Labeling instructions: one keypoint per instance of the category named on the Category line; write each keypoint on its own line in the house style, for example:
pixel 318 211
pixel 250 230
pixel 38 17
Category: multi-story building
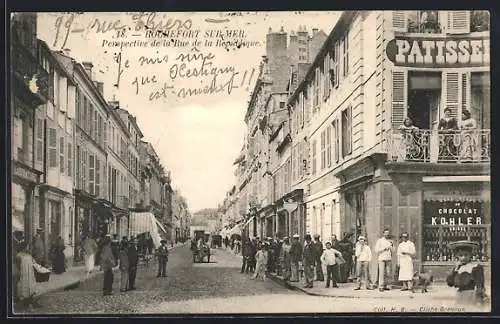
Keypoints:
pixel 429 180
pixel 55 152
pixel 94 213
pixel 181 217
pixel 31 88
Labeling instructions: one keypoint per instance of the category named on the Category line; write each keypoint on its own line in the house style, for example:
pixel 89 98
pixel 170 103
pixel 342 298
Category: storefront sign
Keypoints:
pixel 439 52
pixel 453 213
pixel 25 173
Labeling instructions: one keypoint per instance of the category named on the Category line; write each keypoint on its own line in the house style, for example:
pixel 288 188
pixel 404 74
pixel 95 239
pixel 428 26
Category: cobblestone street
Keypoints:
pixel 185 281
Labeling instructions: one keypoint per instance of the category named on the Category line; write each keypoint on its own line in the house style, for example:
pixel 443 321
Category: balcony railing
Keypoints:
pixel 26 68
pixel 432 146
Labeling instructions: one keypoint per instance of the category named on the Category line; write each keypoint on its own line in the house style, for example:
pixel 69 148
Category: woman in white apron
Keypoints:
pixel 405 252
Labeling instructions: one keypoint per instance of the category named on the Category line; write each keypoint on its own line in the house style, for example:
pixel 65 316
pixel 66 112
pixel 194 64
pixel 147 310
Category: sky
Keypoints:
pixel 197 137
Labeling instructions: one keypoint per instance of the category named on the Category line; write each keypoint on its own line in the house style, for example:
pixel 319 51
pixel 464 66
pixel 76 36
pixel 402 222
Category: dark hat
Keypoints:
pixel 163 241
pixel 464 245
pixel 307 237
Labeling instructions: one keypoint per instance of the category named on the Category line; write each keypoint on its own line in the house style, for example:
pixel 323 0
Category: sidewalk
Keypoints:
pixel 72 278
pixel 436 291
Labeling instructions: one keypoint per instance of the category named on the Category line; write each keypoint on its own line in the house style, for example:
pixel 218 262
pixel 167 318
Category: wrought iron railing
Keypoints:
pixel 451 146
pixel 26 67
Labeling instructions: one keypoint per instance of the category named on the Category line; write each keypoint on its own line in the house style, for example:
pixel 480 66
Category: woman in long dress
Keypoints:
pixel 58 257
pixel 405 252
pixel 468 149
pixel 285 256
pixel 26 286
pixel 467 275
pixel 260 268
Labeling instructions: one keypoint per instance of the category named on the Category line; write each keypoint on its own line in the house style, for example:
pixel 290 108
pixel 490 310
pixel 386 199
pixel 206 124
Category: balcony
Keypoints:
pixel 29 76
pixel 121 202
pixel 432 146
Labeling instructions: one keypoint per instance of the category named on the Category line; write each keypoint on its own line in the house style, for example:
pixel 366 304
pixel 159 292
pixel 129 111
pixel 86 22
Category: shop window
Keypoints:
pixel 479 21
pixel 449 221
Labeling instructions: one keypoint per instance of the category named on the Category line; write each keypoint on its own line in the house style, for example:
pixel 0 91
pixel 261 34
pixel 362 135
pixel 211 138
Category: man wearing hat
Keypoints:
pixel 318 252
pixel 295 257
pixel 162 253
pixel 38 251
pixel 405 253
pixel 285 259
pixel 308 260
pixel 133 260
pixel 467 275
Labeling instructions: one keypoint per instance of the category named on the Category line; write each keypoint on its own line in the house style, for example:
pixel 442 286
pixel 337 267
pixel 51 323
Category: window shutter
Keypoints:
pixel 458 22
pixel 52 148
pixel 307 106
pixel 91 174
pixel 39 139
pixel 452 92
pixel 97 177
pixel 62 149
pixel 399 21
pixel 70 157
pixel 466 91
pixel 63 94
pixel 71 101
pixel 329 145
pixel 399 96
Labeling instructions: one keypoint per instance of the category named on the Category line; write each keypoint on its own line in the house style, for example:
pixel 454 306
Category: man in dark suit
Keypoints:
pixel 133 259
pixel 162 253
pixel 308 260
pixel 318 251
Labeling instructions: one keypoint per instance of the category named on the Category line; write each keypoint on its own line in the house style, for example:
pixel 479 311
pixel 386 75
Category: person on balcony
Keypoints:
pixel 447 126
pixel 409 132
pixel 468 148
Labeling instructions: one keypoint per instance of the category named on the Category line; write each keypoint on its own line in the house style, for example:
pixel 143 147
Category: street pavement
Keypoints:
pixel 215 287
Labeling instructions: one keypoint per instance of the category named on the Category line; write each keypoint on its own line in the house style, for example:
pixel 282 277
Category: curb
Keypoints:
pixel 307 292
pixel 75 284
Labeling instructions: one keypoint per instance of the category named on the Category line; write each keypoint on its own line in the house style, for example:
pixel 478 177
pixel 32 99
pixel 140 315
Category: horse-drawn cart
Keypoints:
pixel 200 248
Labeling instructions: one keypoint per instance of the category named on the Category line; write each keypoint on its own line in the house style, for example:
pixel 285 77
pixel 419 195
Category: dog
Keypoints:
pixel 422 280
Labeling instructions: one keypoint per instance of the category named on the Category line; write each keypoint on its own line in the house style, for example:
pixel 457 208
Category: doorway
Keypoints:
pixel 424 97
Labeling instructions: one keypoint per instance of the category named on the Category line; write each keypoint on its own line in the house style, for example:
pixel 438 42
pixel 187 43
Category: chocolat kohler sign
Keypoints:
pixel 455 213
pixel 453 51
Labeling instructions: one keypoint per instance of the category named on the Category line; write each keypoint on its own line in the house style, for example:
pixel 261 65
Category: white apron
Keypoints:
pixel 405 261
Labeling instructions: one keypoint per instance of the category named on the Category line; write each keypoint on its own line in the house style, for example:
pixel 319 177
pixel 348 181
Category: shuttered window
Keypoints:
pixel 97 177
pixel 52 143
pixel 345 55
pixel 399 21
pixel 336 140
pixel 70 159
pixel 96 127
pixel 452 91
pixel 62 149
pixel 346 132
pixel 78 168
pixel 329 146
pixel 316 90
pixel 336 67
pixel 39 139
pixel 314 157
pixel 399 95
pixel 458 22
pixel 323 150
pixel 91 174
pixel 326 77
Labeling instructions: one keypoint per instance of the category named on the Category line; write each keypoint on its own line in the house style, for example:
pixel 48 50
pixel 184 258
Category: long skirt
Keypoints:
pixel 59 263
pixel 89 262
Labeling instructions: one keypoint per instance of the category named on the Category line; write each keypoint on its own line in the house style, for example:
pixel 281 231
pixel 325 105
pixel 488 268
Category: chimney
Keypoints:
pixel 88 68
pixel 315 31
pixel 100 87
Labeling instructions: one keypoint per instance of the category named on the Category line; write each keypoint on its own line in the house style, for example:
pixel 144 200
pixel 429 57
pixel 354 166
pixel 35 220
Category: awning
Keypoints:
pixel 235 230
pixel 248 221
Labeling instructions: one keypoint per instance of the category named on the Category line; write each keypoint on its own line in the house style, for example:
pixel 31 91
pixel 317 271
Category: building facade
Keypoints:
pixel 31 89
pixel 56 149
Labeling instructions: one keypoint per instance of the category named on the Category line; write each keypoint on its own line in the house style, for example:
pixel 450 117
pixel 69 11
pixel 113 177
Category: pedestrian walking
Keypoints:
pixel 246 251
pixel 124 266
pixel 26 285
pixel 58 257
pixel 253 255
pixel 38 250
pixel 363 258
pixel 308 260
pixel 107 262
pixel 115 247
pixel 89 248
pixel 384 249
pixel 347 249
pixel 405 253
pixel 467 276
pixel 295 258
pixel 318 252
pixel 133 260
pixel 162 254
pixel 286 259
pixel 329 258
pixel 262 257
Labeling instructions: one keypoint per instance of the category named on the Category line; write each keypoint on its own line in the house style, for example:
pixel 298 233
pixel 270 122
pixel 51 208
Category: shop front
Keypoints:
pixel 290 215
pixel 453 211
pixel 24 181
